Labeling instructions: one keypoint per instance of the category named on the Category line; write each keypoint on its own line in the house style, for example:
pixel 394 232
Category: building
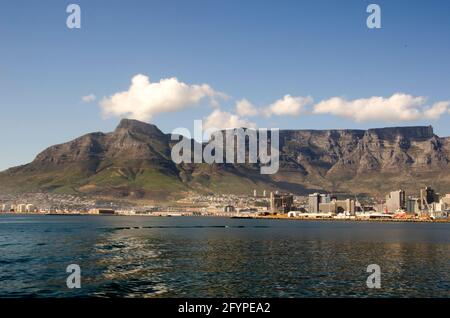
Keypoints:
pixel 438 210
pixel 347 206
pixel 428 195
pixel 445 201
pixel 413 205
pixel 248 210
pixel 102 211
pixel 106 211
pixel 229 208
pixel 327 208
pixel 21 208
pixel 281 202
pixel 6 208
pixel 427 198
pixel 338 206
pixel 314 201
pixel 395 201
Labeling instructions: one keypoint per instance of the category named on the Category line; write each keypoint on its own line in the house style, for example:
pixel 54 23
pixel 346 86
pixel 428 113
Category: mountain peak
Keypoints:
pixel 413 132
pixel 127 123
pixel 138 127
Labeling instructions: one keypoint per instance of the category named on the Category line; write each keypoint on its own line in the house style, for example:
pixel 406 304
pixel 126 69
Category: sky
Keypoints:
pixel 268 64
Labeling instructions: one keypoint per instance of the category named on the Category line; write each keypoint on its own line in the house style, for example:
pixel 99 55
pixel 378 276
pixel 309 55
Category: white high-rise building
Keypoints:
pixel 315 199
pixel 21 208
pixel 396 200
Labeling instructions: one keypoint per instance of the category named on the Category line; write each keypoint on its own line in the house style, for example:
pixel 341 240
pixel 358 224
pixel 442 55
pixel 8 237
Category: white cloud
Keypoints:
pixel 288 105
pixel 245 108
pixel 224 120
pixel 398 107
pixel 437 110
pixel 143 100
pixel 89 98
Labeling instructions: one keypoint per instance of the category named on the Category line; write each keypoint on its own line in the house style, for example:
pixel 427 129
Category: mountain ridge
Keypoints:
pixel 133 161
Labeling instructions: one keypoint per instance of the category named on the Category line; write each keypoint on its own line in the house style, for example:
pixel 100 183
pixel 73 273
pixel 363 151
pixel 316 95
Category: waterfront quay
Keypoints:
pixel 355 219
pixel 244 216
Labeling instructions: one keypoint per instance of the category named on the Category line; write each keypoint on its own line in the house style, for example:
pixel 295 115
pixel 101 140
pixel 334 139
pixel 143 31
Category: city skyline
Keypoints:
pixel 297 66
pixel 424 204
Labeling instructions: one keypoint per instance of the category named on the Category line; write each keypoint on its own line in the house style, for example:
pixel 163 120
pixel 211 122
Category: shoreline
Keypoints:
pixel 445 220
pixel 348 220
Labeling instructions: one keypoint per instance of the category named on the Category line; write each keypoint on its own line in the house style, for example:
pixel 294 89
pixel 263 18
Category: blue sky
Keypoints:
pixel 257 50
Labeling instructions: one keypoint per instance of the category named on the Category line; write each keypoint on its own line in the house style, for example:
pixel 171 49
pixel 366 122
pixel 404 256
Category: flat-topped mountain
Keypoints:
pixel 134 161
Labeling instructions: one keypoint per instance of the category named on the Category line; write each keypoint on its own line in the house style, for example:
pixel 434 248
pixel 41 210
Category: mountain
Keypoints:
pixel 134 161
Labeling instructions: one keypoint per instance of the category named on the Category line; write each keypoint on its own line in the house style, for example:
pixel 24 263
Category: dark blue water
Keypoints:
pixel 220 257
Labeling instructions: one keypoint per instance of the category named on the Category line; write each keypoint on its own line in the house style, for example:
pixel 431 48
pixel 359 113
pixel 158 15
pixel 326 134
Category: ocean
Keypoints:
pixel 132 256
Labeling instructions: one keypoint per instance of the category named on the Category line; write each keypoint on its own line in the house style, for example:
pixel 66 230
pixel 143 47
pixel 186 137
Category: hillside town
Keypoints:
pixel 427 204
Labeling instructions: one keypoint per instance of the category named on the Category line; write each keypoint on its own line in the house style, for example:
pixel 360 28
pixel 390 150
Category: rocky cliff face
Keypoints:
pixel 134 161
